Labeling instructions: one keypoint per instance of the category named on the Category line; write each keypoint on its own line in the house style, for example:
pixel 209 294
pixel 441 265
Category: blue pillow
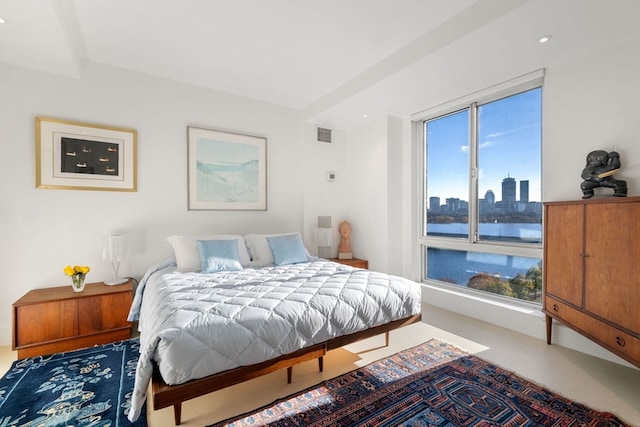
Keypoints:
pixel 218 255
pixel 287 249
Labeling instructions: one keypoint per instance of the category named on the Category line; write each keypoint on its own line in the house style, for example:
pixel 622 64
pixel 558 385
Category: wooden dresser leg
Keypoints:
pixel 289 374
pixel 177 413
pixel 549 320
pixel 320 363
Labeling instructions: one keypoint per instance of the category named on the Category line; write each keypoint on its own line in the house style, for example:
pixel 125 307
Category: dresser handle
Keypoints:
pixel 556 308
pixel 620 341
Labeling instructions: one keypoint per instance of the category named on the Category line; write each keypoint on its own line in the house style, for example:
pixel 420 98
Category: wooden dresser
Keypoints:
pixel 52 320
pixel 592 271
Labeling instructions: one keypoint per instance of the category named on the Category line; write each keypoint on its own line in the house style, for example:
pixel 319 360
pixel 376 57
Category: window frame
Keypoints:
pixel 470 102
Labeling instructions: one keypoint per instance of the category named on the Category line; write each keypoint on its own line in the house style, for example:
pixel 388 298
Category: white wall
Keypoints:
pixel 368 201
pixel 322 197
pixel 41 231
pixel 591 103
pixel 379 193
pixel 397 195
pixel 364 192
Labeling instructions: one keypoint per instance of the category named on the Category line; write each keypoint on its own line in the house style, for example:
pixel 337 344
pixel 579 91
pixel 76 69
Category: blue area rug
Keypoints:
pixel 433 384
pixel 89 387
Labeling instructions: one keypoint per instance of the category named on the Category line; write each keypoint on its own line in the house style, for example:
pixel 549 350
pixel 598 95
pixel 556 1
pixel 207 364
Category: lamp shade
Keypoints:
pixel 323 237
pixel 116 248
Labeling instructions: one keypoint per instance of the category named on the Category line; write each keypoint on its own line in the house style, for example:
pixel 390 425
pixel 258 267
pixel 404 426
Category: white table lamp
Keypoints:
pixel 116 248
pixel 324 237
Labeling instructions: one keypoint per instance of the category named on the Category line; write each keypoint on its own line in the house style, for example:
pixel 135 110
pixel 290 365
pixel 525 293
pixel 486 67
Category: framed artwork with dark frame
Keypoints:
pixel 80 156
pixel 226 170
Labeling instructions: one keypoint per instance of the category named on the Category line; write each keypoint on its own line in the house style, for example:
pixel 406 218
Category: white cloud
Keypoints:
pixel 486 144
pixel 497 134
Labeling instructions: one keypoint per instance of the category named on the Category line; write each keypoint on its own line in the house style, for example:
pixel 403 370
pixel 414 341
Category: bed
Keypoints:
pixel 230 308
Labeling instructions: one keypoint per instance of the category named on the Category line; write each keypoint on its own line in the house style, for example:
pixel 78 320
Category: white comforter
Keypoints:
pixel 194 325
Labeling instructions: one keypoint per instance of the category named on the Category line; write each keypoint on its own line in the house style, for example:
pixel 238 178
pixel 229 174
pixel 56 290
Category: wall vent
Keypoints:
pixel 323 134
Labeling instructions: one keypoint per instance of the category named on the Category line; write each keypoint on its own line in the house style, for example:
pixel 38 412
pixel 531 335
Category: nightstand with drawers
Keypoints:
pixel 354 262
pixel 51 320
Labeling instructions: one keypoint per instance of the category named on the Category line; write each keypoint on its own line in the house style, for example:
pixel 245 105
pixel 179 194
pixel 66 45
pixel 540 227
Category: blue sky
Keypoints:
pixel 509 134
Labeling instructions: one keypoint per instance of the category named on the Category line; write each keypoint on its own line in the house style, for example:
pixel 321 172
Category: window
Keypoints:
pixel 482 210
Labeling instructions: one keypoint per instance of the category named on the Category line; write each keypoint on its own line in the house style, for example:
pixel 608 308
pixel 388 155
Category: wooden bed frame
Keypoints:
pixel 173 395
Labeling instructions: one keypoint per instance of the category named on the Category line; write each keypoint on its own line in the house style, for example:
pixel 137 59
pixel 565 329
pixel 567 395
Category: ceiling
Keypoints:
pixel 332 60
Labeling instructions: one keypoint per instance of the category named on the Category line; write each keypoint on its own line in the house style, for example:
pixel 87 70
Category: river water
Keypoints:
pixel 459 266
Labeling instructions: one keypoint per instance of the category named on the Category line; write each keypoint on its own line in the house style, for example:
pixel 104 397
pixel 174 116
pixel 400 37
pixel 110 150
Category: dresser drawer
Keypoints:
pixel 613 339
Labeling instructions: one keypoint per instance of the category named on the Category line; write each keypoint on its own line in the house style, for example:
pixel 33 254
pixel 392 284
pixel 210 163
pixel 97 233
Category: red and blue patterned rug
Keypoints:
pixel 88 387
pixel 433 384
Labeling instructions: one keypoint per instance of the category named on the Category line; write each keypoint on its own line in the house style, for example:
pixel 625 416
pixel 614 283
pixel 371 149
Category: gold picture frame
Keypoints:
pixel 81 156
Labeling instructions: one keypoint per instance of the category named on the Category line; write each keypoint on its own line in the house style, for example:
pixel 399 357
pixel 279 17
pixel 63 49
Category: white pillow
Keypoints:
pixel 259 249
pixel 187 253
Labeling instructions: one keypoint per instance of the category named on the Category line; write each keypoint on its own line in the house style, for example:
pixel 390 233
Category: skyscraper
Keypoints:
pixel 509 193
pixel 509 190
pixel 434 205
pixel 524 191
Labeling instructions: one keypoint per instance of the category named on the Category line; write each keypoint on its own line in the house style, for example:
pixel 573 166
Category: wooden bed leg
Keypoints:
pixel 177 413
pixel 289 374
pixel 386 339
pixel 320 363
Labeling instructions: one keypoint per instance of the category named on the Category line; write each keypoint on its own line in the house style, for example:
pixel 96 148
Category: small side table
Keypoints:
pixel 354 262
pixel 51 320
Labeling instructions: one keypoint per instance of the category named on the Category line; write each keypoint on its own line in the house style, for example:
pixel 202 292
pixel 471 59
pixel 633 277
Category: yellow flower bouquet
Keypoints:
pixel 77 274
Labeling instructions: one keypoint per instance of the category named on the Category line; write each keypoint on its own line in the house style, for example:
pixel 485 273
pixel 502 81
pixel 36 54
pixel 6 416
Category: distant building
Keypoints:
pixel 508 193
pixel 434 205
pixel 487 204
pixel 490 198
pixel 453 204
pixel 524 191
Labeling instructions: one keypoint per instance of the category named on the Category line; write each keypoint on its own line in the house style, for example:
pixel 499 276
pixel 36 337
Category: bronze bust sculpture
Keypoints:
pixel 599 171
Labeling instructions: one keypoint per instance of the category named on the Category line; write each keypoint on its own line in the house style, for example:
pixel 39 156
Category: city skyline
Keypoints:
pixel 483 196
pixel 534 194
pixel 508 146
pixel 508 204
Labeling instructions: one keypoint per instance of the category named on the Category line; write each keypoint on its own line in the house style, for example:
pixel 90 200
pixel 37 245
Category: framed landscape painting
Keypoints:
pixel 227 171
pixel 81 156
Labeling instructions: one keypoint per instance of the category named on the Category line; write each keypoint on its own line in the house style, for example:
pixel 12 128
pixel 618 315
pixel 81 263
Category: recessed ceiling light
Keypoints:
pixel 544 39
pixel 2 21
pixel 365 115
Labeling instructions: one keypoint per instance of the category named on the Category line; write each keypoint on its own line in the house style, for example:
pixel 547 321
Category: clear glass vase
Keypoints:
pixel 78 282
